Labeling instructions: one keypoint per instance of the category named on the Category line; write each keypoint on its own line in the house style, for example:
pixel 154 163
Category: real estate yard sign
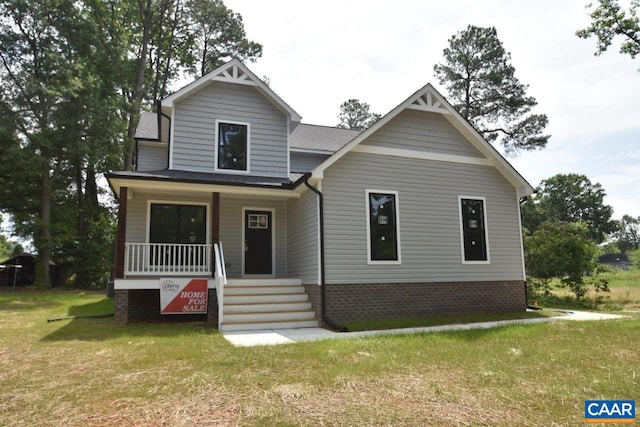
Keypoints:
pixel 183 296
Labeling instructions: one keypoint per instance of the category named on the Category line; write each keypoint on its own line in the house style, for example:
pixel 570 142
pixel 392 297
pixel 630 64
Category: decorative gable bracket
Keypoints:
pixel 234 74
pixel 428 102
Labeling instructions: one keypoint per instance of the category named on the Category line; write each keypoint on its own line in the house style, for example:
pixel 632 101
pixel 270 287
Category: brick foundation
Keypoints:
pixel 354 302
pixel 121 301
pixel 144 305
pixel 313 292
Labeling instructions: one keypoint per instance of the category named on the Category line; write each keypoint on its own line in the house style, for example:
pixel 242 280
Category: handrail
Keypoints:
pixel 221 279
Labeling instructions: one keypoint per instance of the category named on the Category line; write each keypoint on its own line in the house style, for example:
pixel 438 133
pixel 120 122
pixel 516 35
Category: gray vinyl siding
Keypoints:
pixel 137 212
pixel 430 240
pixel 194 129
pixel 421 131
pixel 231 223
pixel 231 226
pixel 306 162
pixel 152 156
pixel 302 233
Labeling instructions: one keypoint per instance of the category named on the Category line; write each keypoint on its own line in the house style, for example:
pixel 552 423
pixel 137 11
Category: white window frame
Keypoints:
pixel 368 220
pixel 486 229
pixel 216 147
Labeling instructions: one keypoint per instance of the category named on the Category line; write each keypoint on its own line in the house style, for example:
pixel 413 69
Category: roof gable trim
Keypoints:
pixel 428 99
pixel 234 72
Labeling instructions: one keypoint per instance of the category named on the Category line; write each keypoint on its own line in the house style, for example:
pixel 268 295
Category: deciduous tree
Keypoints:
pixel 481 84
pixel 569 198
pixel 564 250
pixel 628 233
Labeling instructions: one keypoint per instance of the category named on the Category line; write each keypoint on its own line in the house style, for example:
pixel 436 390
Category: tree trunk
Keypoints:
pixel 44 232
pixel 146 12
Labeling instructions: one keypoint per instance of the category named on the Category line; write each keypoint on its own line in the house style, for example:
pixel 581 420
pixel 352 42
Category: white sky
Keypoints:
pixel 319 54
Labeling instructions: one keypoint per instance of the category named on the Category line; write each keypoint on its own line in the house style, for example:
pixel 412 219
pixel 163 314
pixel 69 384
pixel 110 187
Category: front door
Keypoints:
pixel 258 242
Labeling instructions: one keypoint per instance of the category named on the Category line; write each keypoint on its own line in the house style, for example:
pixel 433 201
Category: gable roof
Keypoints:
pixel 320 138
pixel 429 99
pixel 234 72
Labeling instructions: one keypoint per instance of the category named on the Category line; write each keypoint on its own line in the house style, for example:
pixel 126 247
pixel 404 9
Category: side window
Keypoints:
pixel 232 146
pixel 382 227
pixel 473 230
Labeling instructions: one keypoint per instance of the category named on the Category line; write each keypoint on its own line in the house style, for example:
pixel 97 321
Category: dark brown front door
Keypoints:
pixel 258 242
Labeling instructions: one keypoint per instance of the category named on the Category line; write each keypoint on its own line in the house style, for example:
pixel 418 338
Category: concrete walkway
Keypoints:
pixel 287 336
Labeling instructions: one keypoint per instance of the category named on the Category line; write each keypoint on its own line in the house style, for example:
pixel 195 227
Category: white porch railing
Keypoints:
pixel 221 280
pixel 167 258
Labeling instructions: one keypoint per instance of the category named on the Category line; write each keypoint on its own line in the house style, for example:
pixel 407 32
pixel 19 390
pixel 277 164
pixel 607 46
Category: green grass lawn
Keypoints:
pixel 90 372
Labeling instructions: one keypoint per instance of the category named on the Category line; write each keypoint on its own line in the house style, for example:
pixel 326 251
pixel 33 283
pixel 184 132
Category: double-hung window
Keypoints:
pixel 473 230
pixel 232 146
pixel 383 240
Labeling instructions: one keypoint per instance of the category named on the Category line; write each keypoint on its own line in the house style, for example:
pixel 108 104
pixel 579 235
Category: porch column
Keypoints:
pixel 120 238
pixel 215 226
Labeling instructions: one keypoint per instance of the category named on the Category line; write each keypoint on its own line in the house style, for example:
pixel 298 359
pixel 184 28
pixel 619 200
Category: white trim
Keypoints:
pixel 462 125
pixel 273 241
pixel 247 78
pixel 182 187
pixel 422 155
pixel 524 268
pixel 309 151
pixel 208 218
pixel 171 137
pixel 486 229
pixel 288 147
pixel 368 217
pixel 149 283
pixel 246 171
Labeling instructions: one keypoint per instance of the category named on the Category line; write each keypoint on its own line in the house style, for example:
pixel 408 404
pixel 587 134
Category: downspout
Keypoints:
pixel 323 297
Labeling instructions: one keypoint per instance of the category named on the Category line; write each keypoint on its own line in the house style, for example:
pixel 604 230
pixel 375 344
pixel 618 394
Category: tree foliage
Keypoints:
pixel 608 21
pixel 74 75
pixel 564 250
pixel 355 114
pixel 482 86
pixel 627 234
pixel 569 198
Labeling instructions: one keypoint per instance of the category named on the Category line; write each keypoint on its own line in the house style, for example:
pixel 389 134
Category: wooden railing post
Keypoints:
pixel 121 235
pixel 215 226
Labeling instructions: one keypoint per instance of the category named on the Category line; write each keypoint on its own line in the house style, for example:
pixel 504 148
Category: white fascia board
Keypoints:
pixel 162 186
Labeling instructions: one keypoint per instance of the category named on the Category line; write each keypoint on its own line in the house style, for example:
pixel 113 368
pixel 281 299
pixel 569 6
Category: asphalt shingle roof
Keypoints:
pixel 321 138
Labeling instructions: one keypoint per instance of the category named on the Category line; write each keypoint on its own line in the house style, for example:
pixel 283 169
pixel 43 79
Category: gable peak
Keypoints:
pixel 429 101
pixel 233 72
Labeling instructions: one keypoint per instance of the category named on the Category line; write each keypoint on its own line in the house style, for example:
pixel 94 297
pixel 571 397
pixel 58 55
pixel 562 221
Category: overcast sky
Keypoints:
pixel 319 54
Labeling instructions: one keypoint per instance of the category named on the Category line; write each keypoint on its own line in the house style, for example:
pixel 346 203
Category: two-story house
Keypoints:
pixel 279 224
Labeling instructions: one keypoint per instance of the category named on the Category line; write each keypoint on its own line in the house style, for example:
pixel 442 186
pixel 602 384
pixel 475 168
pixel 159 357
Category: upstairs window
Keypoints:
pixel 473 230
pixel 382 226
pixel 232 146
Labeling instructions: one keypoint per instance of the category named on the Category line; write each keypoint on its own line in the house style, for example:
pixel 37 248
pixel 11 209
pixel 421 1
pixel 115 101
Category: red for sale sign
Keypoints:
pixel 183 296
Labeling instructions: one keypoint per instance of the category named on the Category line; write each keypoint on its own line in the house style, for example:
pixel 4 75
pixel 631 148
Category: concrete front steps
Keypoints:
pixel 259 304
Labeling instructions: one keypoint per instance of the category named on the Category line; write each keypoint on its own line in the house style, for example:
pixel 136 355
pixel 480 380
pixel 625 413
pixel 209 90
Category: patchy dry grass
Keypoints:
pixel 90 372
